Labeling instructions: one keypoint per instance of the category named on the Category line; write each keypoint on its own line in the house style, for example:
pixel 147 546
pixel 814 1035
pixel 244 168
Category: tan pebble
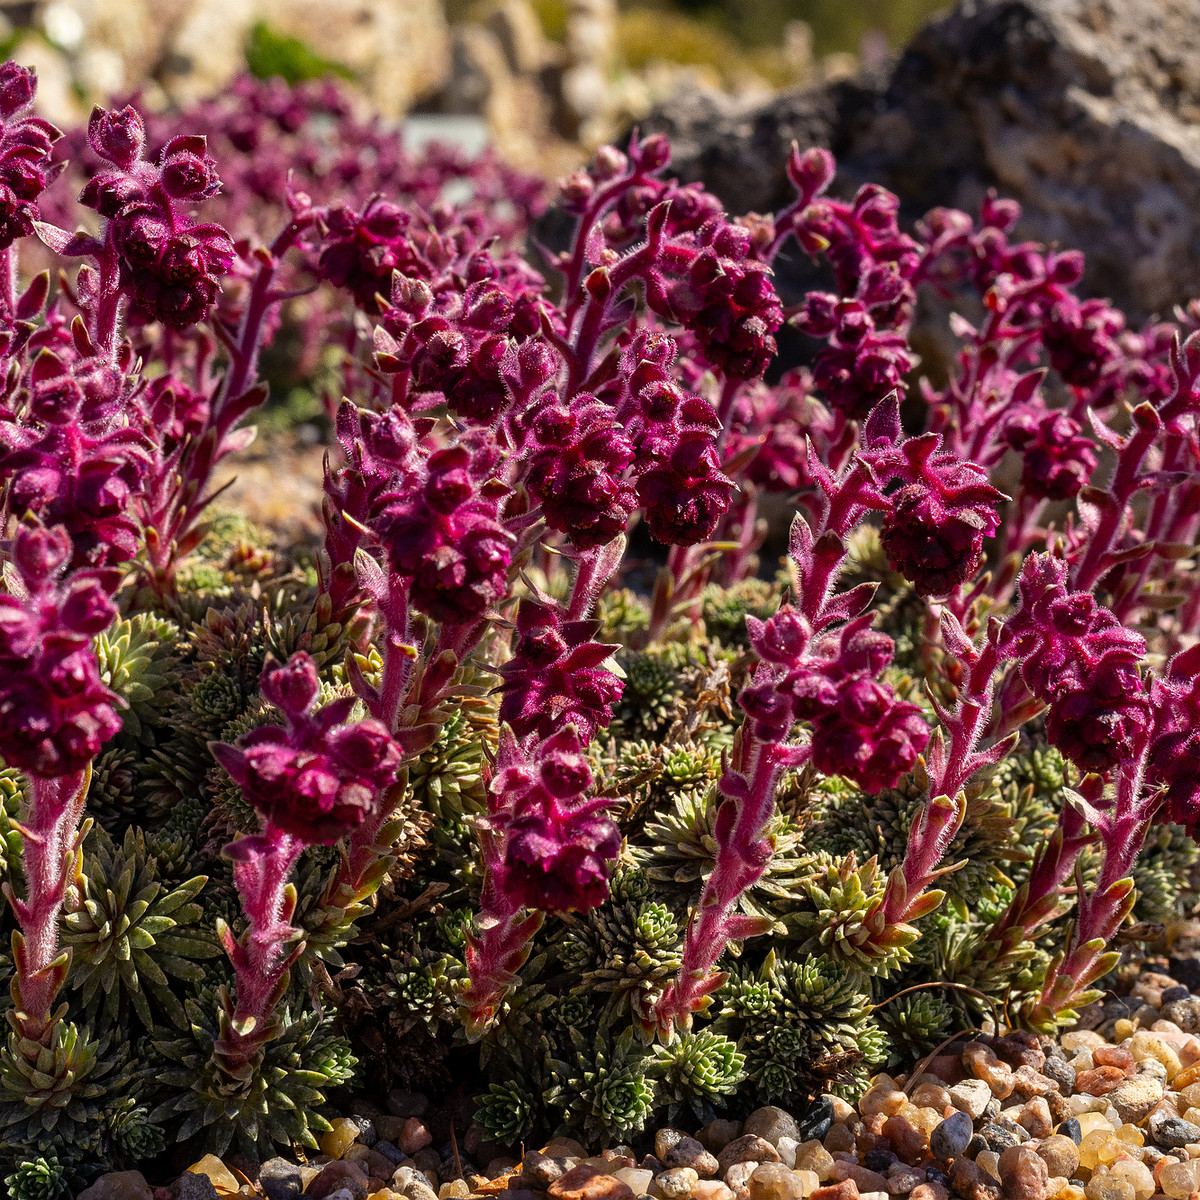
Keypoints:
pixel 677 1183
pixel 774 1181
pixel 1179 1180
pixel 930 1095
pixel 983 1062
pixel 1076 1038
pixel 639 1179
pixel 748 1148
pixel 1035 1118
pixel 812 1156
pixel 1091 1121
pixel 874 1196
pixel 564 1147
pixel 988 1161
pixel 1131 1135
pixel 1060 1154
pixel 808 1182
pixel 1143 1045
pixel 1023 1174
pixel 1134 1098
pixel 842 1109
pixel 1187 1077
pixel 716 1135
pixel 1106 1186
pixel 885 1100
pixel 738 1177
pixel 710 1189
pixel 1123 1028
pixel 1137 1175
pixel 586 1183
pixel 222 1177
pixel 456 1189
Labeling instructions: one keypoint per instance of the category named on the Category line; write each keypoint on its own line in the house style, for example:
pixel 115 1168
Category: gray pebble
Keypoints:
pixel 1172 1132
pixel 280 1179
pixel 950 1138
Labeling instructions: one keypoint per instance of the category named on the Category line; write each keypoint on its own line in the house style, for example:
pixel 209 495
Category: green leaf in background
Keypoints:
pixel 270 54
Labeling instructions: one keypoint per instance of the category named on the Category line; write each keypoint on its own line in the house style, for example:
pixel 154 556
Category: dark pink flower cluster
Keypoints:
pixel 727 300
pixel 557 675
pixel 557 843
pixel 1057 459
pixel 1173 762
pixel 866 359
pixel 934 529
pixel 170 264
pixel 55 713
pixel 316 777
pixel 445 537
pixel 72 460
pixel 576 467
pixel 1078 659
pixel 680 484
pixel 859 728
pixel 25 144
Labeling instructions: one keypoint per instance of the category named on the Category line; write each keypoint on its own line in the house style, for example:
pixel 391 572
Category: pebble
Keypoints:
pixel 677 1183
pixel 192 1185
pixel 774 1181
pixel 812 1156
pixel 280 1179
pixel 716 1135
pixel 817 1121
pixel 688 1152
pixel 1134 1098
pixel 1023 1174
pixel 711 1189
pixel 584 1182
pixel 638 1179
pixel 1179 1180
pixel 341 1135
pixel 772 1123
pixel 950 1138
pixel 972 1096
pixel 413 1136
pixel 118 1185
pixel 747 1148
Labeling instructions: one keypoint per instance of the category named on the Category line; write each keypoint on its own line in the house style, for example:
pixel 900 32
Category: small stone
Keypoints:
pixel 1071 1128
pixel 747 1148
pixel 839 1138
pixel 772 1123
pixel 911 1142
pixel 999 1138
pixel 1113 1056
pixel 1108 1187
pixel 118 1185
pixel 1099 1081
pixel 1060 1154
pixel 413 1136
pixel 341 1194
pixel 412 1184
pixel 221 1176
pixel 988 1161
pixel 983 1062
pixel 1180 1180
pixel 866 1179
pixel 688 1152
pixel 1134 1099
pixel 773 1181
pixel 1023 1174
pixel 787 1148
pixel 586 1183
pixel 969 1182
pixel 812 1156
pixel 817 1122
pixel 847 1189
pixel 392 1153
pixel 342 1134
pixel 738 1178
pixel 638 1179
pixel 1145 1045
pixel 950 1138
pixel 280 1179
pixel 929 1191
pixel 1035 1118
pixel 340 1174
pixel 882 1097
pixel 456 1189
pixel 711 1189
pixel 1061 1072
pixel 665 1140
pixel 716 1135
pixel 809 1182
pixel 677 1182
pixel 1027 1082
pixel 879 1160
pixel 972 1096
pixel 541 1170
pixel 1185 1012
pixel 192 1185
pixel 1137 1175
pixel 1171 1131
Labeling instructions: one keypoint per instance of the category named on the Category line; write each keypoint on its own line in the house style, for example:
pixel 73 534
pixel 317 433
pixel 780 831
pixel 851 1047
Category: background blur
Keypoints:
pixel 541 78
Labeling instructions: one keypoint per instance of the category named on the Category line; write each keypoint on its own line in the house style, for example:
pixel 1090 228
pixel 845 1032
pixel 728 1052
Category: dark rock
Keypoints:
pixel 1061 1072
pixel 1086 113
pixel 999 1138
pixel 951 1137
pixel 879 1160
pixel 1185 1012
pixel 391 1153
pixel 1175 993
pixel 191 1185
pixel 1071 1128
pixel 1172 1132
pixel 280 1179
pixel 817 1122
pixel 337 1175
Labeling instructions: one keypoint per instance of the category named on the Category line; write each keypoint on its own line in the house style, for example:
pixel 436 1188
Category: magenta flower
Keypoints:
pixel 557 844
pixel 25 144
pixel 55 713
pixel 1057 460
pixel 316 778
pixel 557 676
pixel 447 539
pixel 171 266
pixel 1173 762
pixel 934 531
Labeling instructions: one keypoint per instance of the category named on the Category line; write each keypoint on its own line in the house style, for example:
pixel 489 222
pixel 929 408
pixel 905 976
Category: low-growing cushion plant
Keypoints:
pixel 544 733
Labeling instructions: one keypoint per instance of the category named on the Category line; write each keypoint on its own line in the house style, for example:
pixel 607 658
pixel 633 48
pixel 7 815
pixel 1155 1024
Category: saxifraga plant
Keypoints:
pixel 458 766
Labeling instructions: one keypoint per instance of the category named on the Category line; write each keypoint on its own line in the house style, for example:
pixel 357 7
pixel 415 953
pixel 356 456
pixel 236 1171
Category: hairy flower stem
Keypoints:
pixel 268 948
pixel 50 830
pixel 743 855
